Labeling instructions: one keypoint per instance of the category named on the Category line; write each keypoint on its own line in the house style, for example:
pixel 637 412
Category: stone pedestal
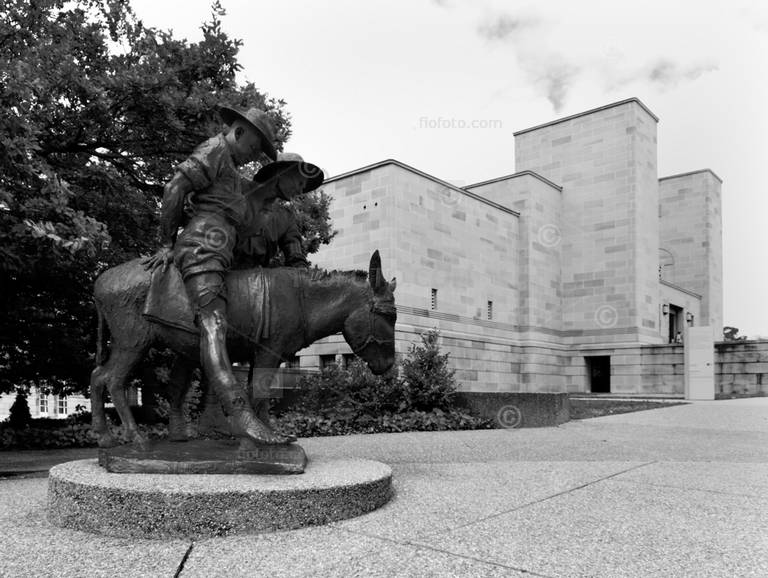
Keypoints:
pixel 205 457
pixel 83 496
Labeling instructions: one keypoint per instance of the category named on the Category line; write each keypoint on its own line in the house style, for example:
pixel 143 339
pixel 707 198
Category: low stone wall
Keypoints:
pixel 518 409
pixel 741 367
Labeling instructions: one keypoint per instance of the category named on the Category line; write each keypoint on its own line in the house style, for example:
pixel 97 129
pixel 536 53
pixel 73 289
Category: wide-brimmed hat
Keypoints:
pixel 287 162
pixel 259 120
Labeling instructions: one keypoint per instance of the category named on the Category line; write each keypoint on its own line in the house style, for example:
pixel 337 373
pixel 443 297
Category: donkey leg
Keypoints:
pixel 99 379
pixel 121 363
pixel 178 386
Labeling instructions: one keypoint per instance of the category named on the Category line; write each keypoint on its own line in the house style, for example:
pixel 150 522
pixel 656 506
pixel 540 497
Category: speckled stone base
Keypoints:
pixel 82 496
pixel 204 457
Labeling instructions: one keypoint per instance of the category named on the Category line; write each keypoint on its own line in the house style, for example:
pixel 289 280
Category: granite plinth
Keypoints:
pixel 83 496
pixel 204 457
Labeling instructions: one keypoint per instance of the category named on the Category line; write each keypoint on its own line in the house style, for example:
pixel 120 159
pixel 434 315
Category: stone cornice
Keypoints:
pixel 689 173
pixel 423 175
pixel 673 286
pixel 513 176
pixel 587 112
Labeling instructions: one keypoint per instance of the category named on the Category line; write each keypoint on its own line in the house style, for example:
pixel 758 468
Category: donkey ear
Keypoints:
pixel 374 270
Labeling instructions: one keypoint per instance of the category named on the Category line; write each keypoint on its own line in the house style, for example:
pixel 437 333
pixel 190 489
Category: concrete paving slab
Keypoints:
pixel 32 547
pixel 732 415
pixel 737 479
pixel 696 506
pixel 619 529
pixel 328 552
pixel 433 498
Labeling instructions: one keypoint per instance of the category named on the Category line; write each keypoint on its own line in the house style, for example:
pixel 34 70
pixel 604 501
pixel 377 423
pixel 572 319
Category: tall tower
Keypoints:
pixel 605 160
pixel 691 234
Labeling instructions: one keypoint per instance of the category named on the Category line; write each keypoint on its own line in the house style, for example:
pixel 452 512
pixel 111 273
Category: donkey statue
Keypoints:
pixel 265 327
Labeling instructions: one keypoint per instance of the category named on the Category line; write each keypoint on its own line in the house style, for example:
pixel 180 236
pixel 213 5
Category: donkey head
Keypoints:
pixel 370 329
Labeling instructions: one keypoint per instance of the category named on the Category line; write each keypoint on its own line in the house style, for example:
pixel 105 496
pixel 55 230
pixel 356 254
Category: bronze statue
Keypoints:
pixel 306 305
pixel 269 227
pixel 204 249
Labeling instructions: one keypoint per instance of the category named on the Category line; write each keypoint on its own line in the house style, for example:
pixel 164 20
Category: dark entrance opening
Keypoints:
pixel 599 370
pixel 675 322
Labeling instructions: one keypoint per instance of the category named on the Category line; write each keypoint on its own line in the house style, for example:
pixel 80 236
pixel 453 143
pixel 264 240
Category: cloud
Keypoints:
pixel 502 27
pixel 550 72
pixel 556 80
pixel 554 71
pixel 664 73
pixel 669 74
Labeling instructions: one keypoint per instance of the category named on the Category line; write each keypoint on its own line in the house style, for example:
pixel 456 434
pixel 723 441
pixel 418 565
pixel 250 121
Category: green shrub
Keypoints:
pixel 349 400
pixel 19 417
pixel 428 381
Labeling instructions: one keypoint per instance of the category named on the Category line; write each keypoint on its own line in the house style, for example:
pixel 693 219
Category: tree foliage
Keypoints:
pixel 96 110
pixel 19 416
pixel 732 334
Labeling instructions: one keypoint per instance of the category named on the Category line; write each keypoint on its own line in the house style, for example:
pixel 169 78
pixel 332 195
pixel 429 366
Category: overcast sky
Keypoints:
pixel 365 80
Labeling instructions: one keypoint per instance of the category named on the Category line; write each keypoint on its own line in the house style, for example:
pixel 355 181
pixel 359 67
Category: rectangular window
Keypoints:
pixel 490 309
pixel 349 358
pixel 434 299
pixel 293 362
pixel 327 361
pixel 43 403
pixel 62 405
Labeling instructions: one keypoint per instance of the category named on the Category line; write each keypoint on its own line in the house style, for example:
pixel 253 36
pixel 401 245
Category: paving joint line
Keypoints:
pixel 421 545
pixel 546 498
pixel 184 559
pixel 709 491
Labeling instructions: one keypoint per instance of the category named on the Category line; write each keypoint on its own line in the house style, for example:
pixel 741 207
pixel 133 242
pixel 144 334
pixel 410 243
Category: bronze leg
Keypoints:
pixel 113 374
pixel 206 290
pixel 178 386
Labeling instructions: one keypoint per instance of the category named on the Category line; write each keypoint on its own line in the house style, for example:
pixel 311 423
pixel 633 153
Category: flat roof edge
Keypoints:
pixel 587 112
pixel 515 175
pixel 677 176
pixel 423 175
pixel 673 286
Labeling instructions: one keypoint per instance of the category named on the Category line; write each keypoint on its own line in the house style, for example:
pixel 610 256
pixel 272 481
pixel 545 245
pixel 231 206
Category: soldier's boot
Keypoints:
pixel 218 371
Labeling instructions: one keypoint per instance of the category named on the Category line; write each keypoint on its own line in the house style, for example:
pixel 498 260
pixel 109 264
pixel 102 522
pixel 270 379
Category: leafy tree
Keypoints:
pixel 19 416
pixel 732 334
pixel 96 110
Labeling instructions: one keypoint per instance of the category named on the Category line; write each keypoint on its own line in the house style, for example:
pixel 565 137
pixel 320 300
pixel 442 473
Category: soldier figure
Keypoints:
pixel 268 227
pixel 203 251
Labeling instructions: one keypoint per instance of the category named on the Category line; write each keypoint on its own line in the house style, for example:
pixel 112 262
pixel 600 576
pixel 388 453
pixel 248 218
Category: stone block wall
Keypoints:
pixel 539 203
pixel 605 160
pixel 432 235
pixel 691 232
pixel 741 367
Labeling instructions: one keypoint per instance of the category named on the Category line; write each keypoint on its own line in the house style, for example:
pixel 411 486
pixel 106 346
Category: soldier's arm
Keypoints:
pixel 171 218
pixel 290 244
pixel 172 211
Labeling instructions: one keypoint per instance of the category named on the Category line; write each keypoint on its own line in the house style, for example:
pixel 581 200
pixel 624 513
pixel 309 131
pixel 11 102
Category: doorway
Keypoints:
pixel 675 323
pixel 599 372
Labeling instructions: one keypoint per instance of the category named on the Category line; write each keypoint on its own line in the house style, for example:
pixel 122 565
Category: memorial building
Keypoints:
pixel 579 272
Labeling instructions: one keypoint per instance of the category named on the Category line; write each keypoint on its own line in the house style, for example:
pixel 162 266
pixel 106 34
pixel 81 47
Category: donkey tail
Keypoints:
pixel 102 336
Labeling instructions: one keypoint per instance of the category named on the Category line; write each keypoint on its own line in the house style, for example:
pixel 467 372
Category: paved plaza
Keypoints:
pixel 677 491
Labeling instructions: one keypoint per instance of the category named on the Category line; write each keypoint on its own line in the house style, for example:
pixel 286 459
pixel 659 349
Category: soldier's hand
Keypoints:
pixel 163 258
